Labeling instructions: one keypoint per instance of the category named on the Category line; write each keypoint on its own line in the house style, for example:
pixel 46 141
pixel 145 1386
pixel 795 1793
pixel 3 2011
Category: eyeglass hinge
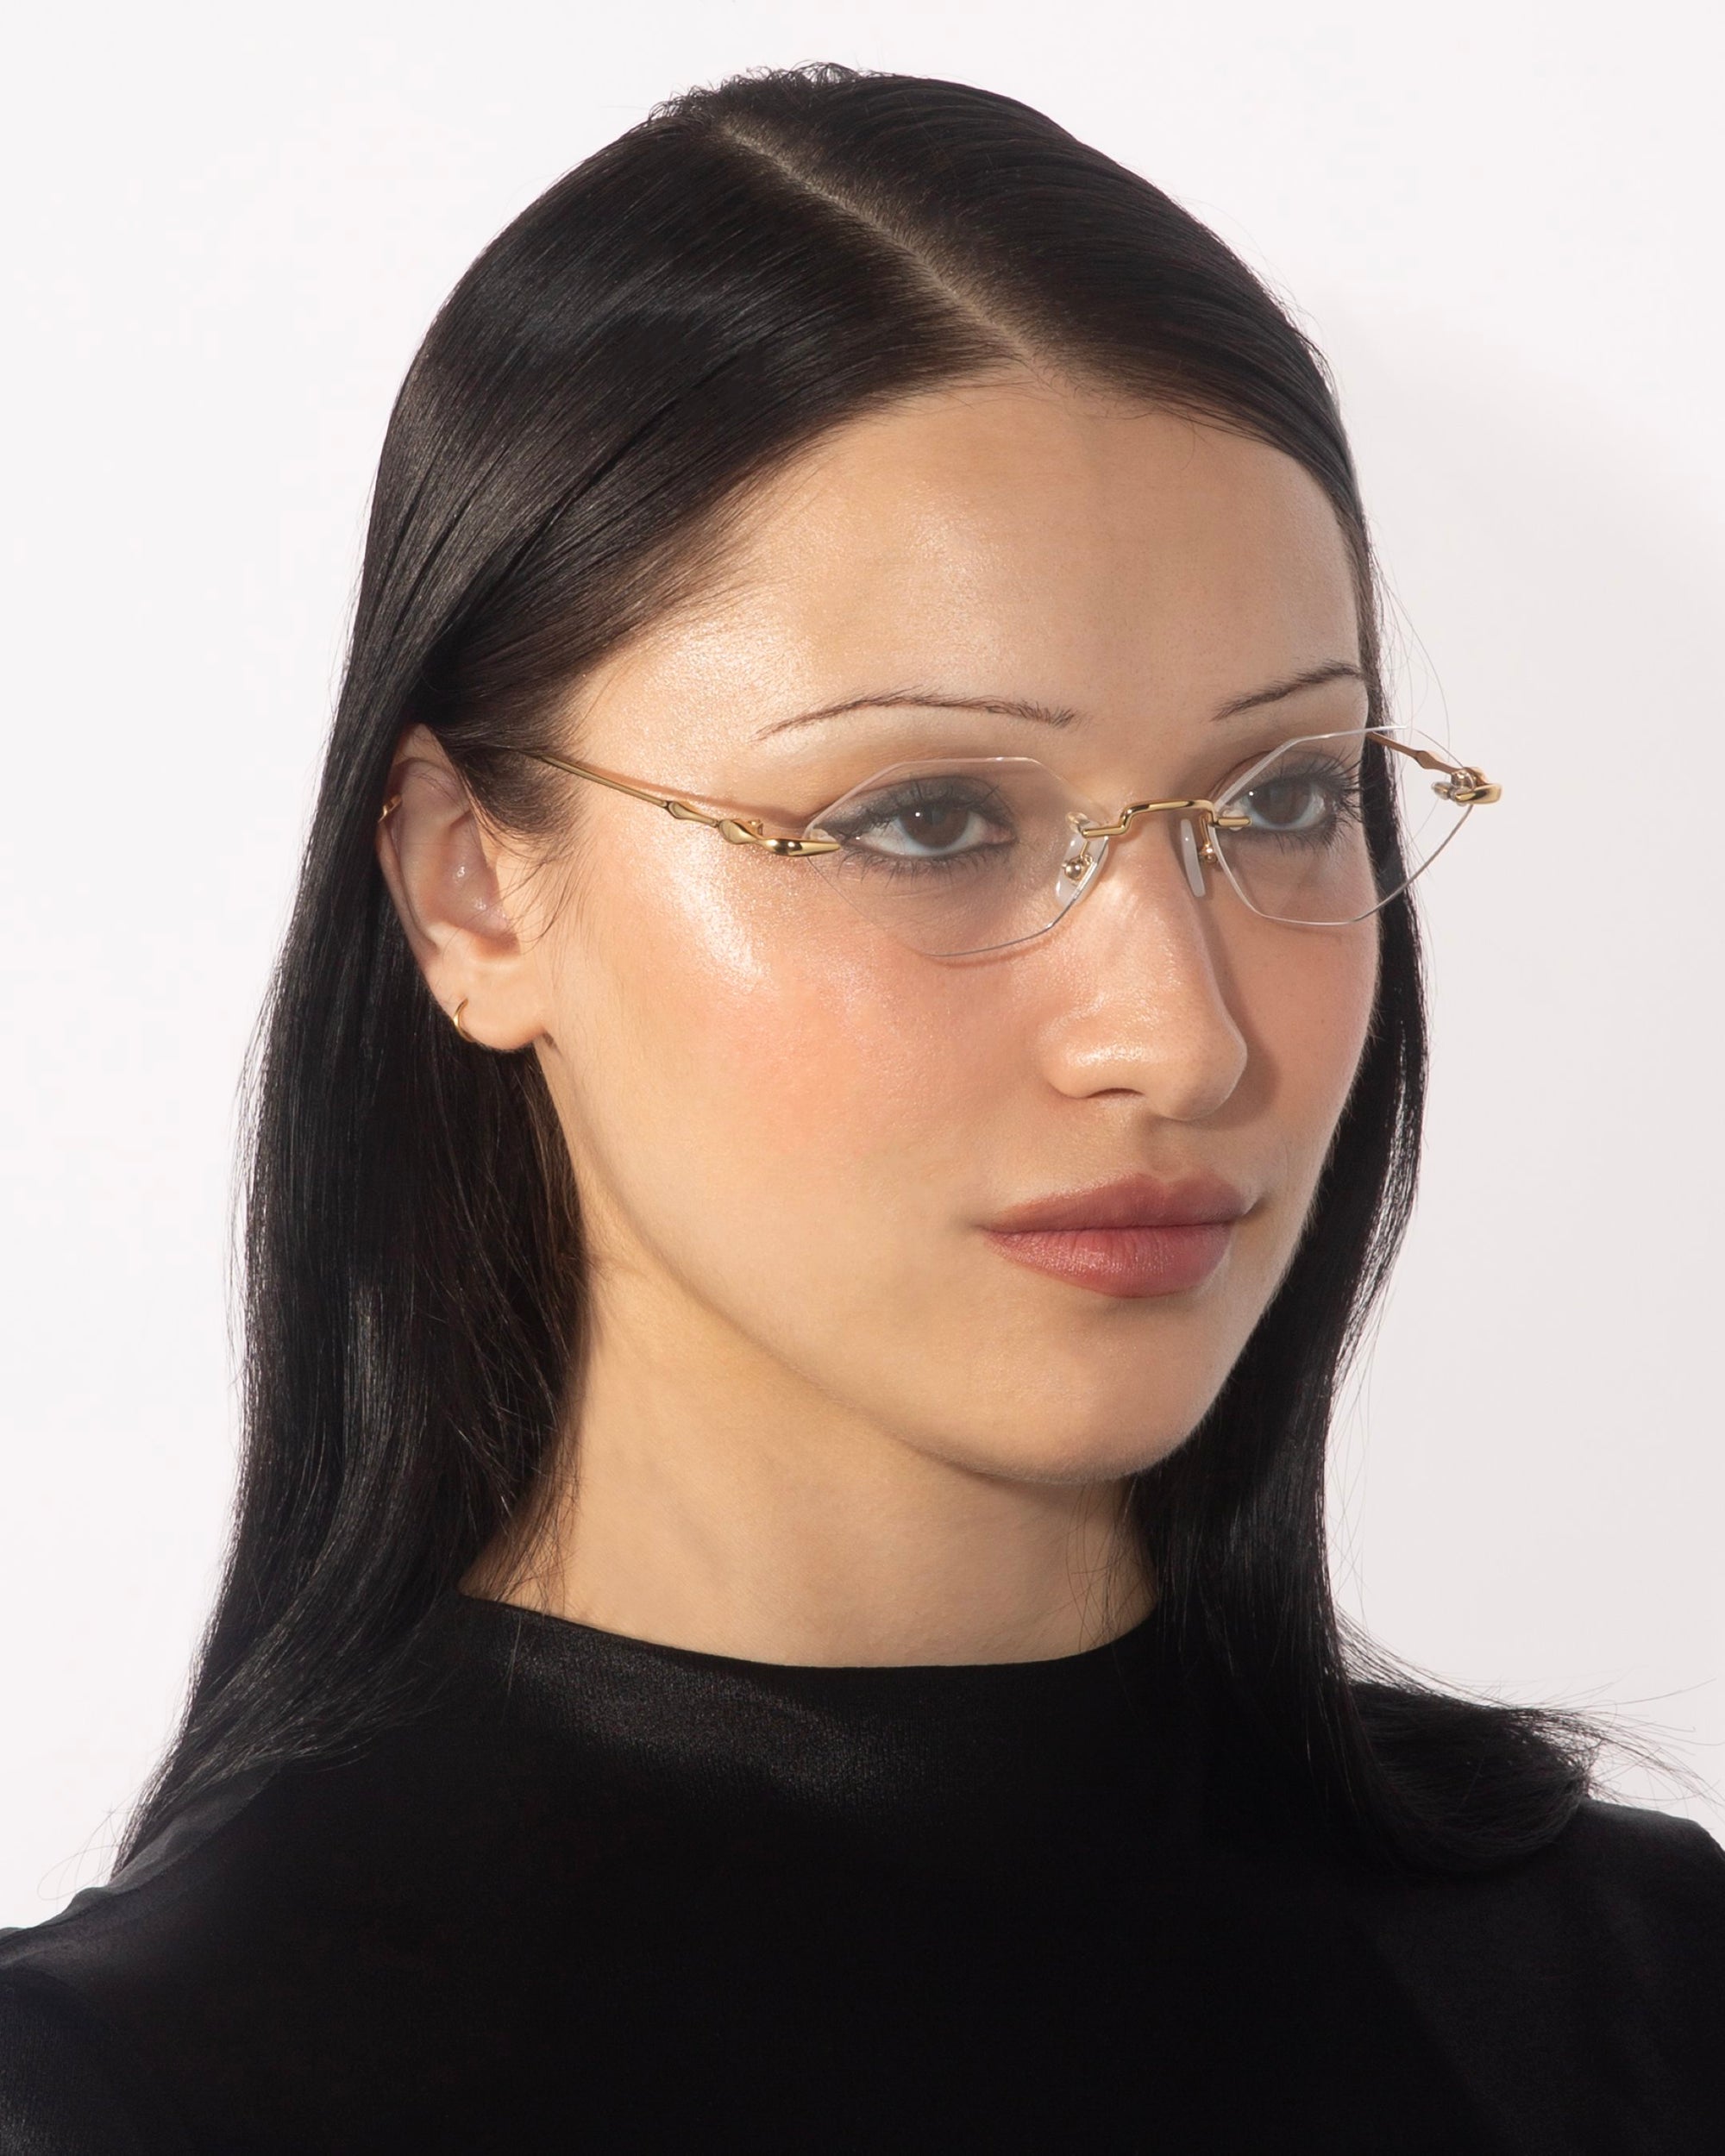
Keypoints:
pixel 1469 789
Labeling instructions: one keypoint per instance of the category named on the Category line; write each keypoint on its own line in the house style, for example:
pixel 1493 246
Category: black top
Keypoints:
pixel 608 1895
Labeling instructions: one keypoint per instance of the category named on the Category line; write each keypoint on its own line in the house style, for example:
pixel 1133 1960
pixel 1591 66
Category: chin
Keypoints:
pixel 1071 1410
pixel 1069 1456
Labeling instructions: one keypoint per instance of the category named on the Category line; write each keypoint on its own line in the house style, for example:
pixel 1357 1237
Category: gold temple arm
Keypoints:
pixel 1468 788
pixel 738 831
pixel 1462 784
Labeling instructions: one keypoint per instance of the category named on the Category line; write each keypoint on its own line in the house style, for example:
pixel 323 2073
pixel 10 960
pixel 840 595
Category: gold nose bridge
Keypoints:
pixel 1464 784
pixel 1205 814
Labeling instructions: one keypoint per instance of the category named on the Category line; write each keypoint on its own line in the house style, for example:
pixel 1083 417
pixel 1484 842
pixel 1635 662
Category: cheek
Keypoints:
pixel 768 1050
pixel 791 1115
pixel 1308 996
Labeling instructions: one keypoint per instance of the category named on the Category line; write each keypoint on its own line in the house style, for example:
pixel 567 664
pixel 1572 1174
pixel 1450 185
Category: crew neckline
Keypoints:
pixel 598 1638
pixel 1008 1757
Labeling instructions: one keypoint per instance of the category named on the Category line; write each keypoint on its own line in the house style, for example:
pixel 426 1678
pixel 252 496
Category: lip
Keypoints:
pixel 1134 1238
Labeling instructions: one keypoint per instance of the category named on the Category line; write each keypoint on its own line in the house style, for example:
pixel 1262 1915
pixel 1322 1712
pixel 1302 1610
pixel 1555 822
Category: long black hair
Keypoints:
pixel 749 267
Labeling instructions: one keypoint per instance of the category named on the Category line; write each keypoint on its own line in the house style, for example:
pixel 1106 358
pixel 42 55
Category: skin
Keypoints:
pixel 821 1419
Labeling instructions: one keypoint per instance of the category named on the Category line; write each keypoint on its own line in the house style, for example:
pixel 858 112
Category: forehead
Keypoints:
pixel 1004 538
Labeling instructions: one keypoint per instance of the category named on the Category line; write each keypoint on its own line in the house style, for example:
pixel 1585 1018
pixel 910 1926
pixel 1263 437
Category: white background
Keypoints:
pixel 228 230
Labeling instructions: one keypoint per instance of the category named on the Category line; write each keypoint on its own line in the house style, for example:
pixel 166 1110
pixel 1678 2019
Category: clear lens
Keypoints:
pixel 959 856
pixel 963 855
pixel 1338 824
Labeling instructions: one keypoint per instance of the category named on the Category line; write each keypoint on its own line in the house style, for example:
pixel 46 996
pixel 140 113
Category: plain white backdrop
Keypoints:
pixel 228 229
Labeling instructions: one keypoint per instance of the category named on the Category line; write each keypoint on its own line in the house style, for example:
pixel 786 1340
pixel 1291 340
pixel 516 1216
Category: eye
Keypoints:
pixel 1305 802
pixel 1287 804
pixel 937 827
pixel 924 821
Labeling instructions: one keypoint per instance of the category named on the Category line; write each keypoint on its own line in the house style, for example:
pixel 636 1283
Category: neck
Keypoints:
pixel 711 1500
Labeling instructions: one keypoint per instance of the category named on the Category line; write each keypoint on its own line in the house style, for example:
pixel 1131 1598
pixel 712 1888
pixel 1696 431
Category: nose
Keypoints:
pixel 1138 1001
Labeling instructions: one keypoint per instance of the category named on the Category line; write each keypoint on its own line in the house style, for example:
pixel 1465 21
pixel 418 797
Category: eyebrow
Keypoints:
pixel 996 706
pixel 1313 677
pixel 1049 714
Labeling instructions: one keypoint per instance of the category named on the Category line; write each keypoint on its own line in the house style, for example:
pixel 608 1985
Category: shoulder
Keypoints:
pixel 1645 1889
pixel 1628 1845
pixel 151 1988
pixel 1582 1987
pixel 1653 1879
pixel 66 2083
pixel 309 1938
pixel 1633 1899
pixel 1637 1897
pixel 74 2077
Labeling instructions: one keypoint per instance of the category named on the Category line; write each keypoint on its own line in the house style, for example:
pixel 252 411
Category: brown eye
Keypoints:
pixel 927 823
pixel 1296 802
pixel 936 827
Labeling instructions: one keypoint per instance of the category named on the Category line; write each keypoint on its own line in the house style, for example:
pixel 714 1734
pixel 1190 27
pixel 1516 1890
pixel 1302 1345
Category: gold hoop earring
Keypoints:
pixel 393 802
pixel 460 1028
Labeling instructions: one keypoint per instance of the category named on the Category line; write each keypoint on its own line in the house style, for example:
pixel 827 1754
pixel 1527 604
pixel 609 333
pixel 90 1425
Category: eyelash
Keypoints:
pixel 885 809
pixel 1347 797
pixel 1342 784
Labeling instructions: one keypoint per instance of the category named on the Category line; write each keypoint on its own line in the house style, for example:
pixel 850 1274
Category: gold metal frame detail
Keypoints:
pixel 740 831
pixel 1467 788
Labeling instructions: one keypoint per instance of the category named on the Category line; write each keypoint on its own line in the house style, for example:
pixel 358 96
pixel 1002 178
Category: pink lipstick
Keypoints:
pixel 1135 1237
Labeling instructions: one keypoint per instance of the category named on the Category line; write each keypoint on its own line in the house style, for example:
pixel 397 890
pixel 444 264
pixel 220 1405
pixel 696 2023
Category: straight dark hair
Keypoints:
pixel 750 267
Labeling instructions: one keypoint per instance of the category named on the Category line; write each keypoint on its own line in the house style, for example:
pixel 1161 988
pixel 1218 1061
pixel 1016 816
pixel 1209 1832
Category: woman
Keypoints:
pixel 846 1070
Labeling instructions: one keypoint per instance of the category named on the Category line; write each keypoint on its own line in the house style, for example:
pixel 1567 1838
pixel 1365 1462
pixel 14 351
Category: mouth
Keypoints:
pixel 1134 1238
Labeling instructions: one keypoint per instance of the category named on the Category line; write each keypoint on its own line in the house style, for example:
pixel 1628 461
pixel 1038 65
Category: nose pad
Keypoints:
pixel 1082 859
pixel 1192 858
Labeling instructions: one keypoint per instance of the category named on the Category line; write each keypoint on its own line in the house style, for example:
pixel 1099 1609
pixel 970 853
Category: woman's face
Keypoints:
pixel 794 1133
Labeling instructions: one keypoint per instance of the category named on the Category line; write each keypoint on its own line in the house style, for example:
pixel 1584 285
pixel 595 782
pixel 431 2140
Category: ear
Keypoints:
pixel 447 874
